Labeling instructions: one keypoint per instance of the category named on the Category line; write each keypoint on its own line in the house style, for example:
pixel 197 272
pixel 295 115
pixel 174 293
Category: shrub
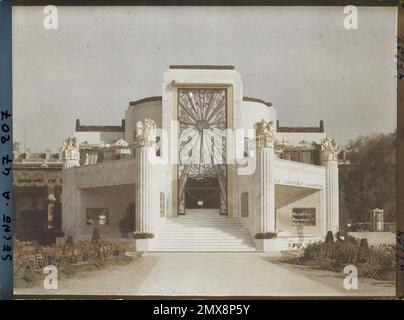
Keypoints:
pixel 69 241
pixel 385 258
pixel 364 245
pixel 266 235
pixel 143 235
pixel 351 251
pixel 318 250
pixel 353 240
pixel 65 257
pixel 329 238
pixel 96 234
pixel 345 252
pixel 341 236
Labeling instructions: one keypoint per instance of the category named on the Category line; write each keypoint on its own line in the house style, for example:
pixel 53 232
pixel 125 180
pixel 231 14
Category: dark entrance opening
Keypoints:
pixel 202 193
pixel 31 213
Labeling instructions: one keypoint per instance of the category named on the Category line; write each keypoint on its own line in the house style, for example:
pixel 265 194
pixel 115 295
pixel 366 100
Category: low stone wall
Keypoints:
pixel 375 238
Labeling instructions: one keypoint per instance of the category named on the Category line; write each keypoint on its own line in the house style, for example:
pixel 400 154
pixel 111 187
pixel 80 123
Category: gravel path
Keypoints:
pixel 200 274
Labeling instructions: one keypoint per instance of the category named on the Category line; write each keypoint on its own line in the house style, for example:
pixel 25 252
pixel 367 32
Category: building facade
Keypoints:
pixel 201 167
pixel 37 190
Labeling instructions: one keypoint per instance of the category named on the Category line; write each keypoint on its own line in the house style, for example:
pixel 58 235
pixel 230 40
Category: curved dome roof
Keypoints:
pixel 252 99
pixel 144 100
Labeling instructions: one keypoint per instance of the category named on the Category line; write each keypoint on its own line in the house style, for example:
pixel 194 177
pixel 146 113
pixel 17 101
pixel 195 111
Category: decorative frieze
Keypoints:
pixel 36 178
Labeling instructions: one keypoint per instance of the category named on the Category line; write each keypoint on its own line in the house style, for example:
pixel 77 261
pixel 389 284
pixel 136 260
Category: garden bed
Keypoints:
pixel 70 259
pixel 376 262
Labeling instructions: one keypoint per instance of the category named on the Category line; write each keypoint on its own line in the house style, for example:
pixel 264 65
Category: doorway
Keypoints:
pixel 202 169
pixel 202 194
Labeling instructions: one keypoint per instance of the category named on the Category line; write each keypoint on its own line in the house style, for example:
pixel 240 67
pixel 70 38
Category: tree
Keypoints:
pixel 368 181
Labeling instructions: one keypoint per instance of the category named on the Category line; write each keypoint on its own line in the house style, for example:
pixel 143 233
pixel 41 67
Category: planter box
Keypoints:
pixel 143 245
pixel 268 245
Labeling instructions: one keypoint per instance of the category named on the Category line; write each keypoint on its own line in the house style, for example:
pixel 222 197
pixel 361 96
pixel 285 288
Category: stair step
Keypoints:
pixel 203 230
pixel 202 236
pixel 209 232
pixel 202 247
pixel 204 242
pixel 204 250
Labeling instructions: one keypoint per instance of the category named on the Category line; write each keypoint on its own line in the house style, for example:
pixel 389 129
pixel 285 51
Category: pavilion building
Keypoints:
pixel 203 168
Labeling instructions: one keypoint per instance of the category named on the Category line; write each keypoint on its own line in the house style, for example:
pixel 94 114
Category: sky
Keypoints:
pixel 301 59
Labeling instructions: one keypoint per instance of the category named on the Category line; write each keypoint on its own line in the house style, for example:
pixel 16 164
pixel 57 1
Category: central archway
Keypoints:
pixel 202 170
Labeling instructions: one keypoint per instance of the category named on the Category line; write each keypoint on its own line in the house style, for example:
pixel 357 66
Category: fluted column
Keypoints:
pixel 146 196
pixel 265 190
pixel 144 188
pixel 330 162
pixel 264 177
pixel 71 202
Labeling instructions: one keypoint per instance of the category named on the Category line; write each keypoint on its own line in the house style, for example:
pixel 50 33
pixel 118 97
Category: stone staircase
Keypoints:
pixel 202 230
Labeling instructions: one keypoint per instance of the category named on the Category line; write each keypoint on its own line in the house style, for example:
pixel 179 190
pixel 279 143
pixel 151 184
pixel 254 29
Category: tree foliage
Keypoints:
pixel 368 181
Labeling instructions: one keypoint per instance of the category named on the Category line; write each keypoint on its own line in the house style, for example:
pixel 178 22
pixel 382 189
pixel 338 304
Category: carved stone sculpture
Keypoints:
pixel 264 134
pixel 70 152
pixel 145 133
pixel 328 149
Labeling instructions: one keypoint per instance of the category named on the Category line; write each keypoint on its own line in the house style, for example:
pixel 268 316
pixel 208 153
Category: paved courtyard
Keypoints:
pixel 208 274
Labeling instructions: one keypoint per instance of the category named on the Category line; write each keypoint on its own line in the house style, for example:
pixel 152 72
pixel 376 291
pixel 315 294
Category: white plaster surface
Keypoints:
pixel 299 174
pixel 252 112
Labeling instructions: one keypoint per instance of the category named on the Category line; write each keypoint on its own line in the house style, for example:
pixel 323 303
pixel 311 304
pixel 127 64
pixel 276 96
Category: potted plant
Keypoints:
pixel 142 240
pixel 267 241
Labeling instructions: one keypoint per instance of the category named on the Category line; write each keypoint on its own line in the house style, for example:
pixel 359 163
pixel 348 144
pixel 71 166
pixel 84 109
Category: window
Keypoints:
pixel 97 216
pixel 304 216
pixel 244 204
